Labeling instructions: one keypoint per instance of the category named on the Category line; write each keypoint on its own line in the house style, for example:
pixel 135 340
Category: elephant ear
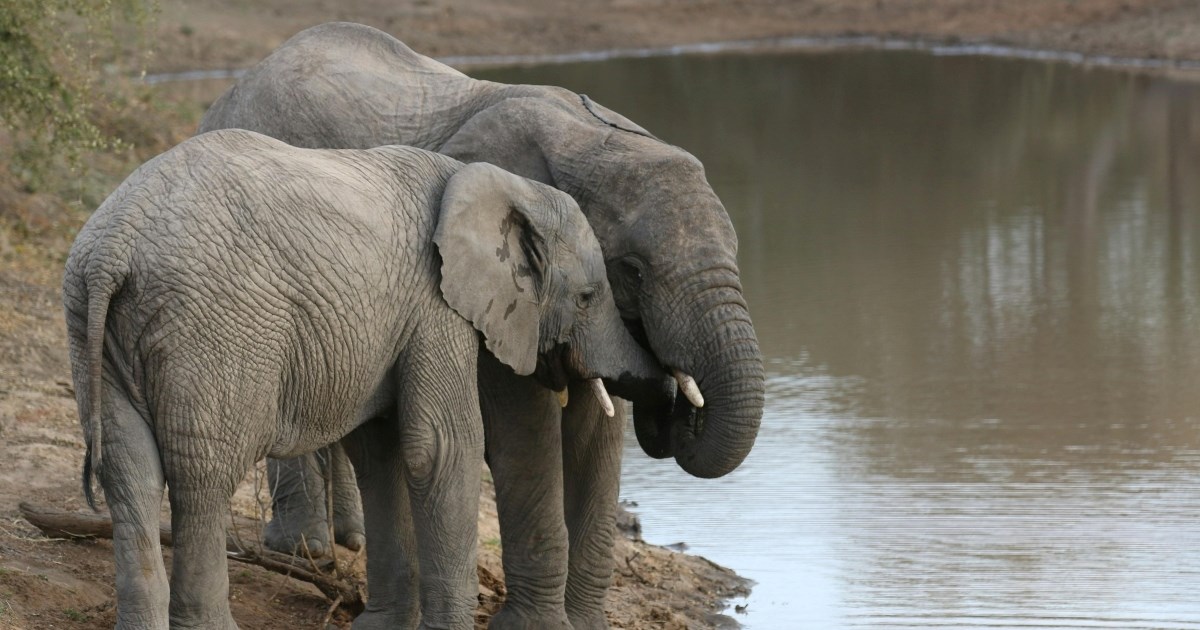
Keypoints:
pixel 613 119
pixel 492 238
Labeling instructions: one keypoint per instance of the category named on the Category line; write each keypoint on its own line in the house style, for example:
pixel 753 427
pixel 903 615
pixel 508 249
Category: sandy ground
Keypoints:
pixel 68 584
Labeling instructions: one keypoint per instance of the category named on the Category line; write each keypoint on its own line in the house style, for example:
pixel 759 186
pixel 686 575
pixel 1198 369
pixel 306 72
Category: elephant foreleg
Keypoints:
pixel 441 444
pixel 591 444
pixel 524 443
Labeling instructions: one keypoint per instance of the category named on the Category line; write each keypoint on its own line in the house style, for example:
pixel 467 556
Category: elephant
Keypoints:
pixel 237 298
pixel 670 254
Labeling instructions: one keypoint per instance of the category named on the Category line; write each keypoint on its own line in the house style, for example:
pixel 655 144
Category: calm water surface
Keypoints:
pixel 976 283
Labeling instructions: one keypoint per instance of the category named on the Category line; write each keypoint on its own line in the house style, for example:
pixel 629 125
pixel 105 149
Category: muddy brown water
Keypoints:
pixel 976 283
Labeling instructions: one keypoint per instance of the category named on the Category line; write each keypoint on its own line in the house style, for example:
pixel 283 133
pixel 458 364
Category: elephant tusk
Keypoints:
pixel 563 397
pixel 602 396
pixel 687 384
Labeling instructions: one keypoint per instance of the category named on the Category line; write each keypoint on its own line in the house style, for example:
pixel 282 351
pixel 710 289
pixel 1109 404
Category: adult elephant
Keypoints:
pixel 670 253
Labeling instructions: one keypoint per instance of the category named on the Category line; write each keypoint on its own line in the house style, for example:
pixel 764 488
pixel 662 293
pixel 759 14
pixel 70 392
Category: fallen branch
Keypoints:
pixel 57 523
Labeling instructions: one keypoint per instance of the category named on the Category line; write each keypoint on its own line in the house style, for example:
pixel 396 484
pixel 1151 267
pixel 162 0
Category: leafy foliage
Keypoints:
pixel 48 53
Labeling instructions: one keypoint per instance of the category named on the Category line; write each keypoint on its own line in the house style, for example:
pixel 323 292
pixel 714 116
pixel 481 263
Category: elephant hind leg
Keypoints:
pixel 299 503
pixel 348 526
pixel 298 516
pixel 199 574
pixel 203 464
pixel 132 478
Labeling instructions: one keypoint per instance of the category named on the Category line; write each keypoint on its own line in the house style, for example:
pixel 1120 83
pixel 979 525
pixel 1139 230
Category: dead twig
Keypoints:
pixel 634 572
pixel 329 613
pixel 328 450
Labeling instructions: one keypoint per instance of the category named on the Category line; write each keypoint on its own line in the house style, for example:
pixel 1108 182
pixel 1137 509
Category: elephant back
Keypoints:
pixel 345 86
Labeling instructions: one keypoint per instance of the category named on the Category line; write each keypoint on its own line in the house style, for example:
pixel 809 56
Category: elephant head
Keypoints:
pixel 670 256
pixel 522 265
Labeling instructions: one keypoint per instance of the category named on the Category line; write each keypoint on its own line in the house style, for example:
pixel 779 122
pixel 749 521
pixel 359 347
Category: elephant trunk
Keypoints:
pixel 713 440
pixel 626 367
pixel 716 346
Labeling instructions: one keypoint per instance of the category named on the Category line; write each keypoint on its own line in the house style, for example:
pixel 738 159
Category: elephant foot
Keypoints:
pixel 349 532
pixel 353 541
pixel 279 538
pixel 291 537
pixel 510 618
pixel 384 620
pixel 592 620
pixel 226 623
pixel 136 622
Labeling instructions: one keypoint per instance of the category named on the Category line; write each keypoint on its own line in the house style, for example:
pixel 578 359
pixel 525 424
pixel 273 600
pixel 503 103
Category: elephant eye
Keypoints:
pixel 585 297
pixel 632 270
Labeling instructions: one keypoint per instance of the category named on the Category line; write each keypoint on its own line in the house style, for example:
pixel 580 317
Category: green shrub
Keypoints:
pixel 49 52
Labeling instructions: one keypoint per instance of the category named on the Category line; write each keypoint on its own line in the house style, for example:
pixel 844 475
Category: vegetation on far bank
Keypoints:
pixel 74 120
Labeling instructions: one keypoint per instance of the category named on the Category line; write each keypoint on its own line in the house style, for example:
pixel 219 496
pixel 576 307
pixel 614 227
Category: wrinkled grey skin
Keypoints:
pixel 670 252
pixel 238 298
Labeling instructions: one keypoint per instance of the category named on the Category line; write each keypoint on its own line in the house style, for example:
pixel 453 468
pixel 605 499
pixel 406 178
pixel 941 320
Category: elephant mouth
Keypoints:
pixel 560 366
pixel 663 429
pixel 552 369
pixel 637 330
pixel 667 423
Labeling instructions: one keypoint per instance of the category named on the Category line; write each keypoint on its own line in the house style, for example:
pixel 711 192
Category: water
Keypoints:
pixel 976 282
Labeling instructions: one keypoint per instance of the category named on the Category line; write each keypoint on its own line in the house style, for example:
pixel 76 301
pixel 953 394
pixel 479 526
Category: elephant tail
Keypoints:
pixel 102 286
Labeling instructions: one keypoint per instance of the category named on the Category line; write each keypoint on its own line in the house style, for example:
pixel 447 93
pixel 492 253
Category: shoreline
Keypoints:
pixel 799 44
pixel 207 34
pixel 723 583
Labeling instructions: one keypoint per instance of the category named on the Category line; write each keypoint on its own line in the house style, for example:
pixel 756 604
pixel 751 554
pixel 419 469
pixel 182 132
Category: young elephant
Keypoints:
pixel 238 298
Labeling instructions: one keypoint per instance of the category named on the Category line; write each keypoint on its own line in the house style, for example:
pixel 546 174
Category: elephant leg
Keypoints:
pixel 132 478
pixel 592 445
pixel 524 445
pixel 348 528
pixel 441 435
pixel 297 486
pixel 199 575
pixel 392 569
pixel 201 473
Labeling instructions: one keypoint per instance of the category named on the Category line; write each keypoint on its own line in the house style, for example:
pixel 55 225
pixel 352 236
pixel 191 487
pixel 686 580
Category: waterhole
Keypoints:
pixel 976 284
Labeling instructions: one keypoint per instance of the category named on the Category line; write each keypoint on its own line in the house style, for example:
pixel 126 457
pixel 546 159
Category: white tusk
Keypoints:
pixel 602 396
pixel 563 397
pixel 687 384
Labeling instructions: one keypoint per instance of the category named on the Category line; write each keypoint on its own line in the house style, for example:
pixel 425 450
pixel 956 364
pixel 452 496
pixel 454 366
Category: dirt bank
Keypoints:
pixel 221 34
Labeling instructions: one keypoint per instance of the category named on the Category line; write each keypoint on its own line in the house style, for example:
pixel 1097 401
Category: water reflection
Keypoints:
pixel 978 288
